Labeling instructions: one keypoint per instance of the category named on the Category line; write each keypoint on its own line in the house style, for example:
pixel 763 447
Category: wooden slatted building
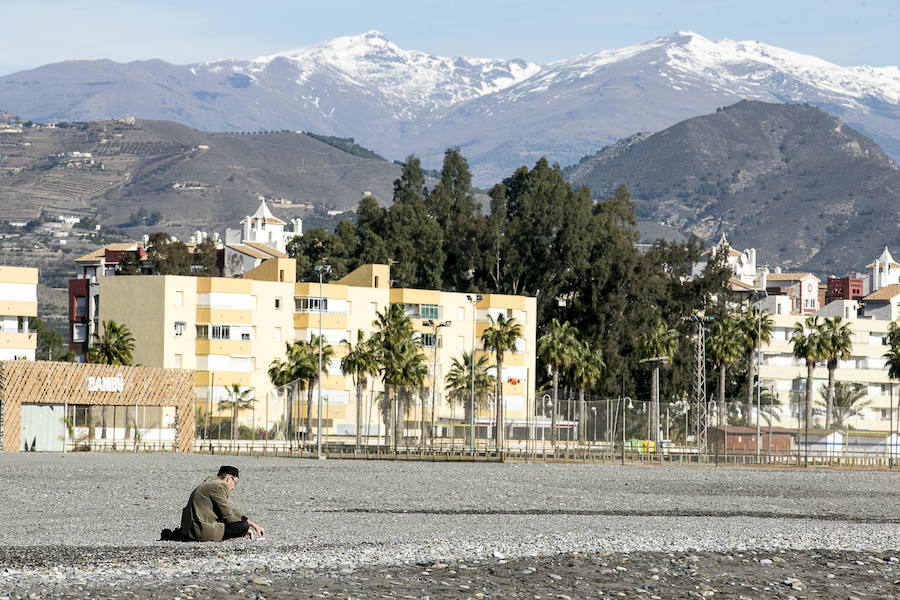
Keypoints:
pixel 57 383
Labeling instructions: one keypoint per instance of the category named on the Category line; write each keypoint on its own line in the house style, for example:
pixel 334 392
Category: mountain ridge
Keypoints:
pixel 805 189
pixel 502 113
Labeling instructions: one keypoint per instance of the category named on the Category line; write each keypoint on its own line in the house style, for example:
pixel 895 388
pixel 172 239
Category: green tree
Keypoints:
pixel 129 264
pixel 452 205
pixel 168 256
pixel 756 328
pixel 238 399
pixel 311 370
pixel 372 232
pixel 556 348
pixel 293 370
pixel 837 342
pixel 360 362
pixel 848 402
pixel 586 369
pixel 113 347
pixel 397 344
pixel 50 343
pixel 809 347
pixel 415 240
pixel 656 342
pixel 204 259
pixel 724 346
pixel 892 356
pixel 459 386
pixel 500 337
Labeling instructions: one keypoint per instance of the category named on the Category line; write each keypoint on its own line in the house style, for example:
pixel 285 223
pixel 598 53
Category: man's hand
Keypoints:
pixel 255 530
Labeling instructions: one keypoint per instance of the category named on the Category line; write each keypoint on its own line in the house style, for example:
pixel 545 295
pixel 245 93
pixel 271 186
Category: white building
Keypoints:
pixel 18 302
pixel 262 236
pixel 785 375
pixel 884 271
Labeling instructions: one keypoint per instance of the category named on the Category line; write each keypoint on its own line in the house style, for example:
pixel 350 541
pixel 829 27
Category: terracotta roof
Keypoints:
pixel 99 253
pixel 885 293
pixel 248 250
pixel 787 276
pixel 736 285
pixel 263 248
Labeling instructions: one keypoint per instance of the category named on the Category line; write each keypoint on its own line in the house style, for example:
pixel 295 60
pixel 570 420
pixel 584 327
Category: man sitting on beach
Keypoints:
pixel 208 516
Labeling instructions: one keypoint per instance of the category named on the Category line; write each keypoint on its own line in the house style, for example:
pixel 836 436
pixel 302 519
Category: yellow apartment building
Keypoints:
pixel 229 330
pixel 18 302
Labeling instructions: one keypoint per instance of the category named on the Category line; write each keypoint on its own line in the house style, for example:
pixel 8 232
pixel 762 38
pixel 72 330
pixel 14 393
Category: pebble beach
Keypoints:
pixel 87 524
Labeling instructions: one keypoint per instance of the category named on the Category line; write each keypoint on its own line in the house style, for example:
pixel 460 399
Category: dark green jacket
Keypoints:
pixel 207 511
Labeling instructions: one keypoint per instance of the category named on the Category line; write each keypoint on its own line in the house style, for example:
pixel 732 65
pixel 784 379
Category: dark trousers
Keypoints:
pixel 237 529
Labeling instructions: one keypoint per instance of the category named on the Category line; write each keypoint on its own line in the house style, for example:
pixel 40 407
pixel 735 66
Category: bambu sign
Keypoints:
pixel 106 384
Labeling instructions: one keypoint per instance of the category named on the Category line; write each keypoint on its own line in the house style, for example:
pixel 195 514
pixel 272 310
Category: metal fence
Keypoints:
pixel 591 429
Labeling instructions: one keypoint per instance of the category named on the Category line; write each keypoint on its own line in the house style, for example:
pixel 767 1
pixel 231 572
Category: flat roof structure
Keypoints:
pixel 59 383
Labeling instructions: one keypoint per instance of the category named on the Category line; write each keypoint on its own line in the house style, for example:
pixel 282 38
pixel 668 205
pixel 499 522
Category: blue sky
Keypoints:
pixel 36 32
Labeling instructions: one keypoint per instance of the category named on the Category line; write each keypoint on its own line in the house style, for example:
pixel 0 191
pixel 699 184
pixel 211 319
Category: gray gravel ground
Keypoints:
pixel 88 524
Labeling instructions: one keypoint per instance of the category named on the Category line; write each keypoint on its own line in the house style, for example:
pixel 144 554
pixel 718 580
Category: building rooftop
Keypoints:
pixel 886 293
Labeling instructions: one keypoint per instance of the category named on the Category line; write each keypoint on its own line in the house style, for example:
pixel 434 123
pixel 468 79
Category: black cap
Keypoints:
pixel 226 470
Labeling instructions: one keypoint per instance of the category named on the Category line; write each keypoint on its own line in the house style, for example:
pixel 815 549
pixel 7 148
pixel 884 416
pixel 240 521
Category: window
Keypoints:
pixel 202 332
pixel 280 274
pixel 429 340
pixel 221 332
pixel 430 311
pixel 277 303
pixel 80 306
pixel 79 333
pixel 179 298
pixel 179 328
pixel 177 362
pixel 460 314
pixel 311 304
pixel 245 337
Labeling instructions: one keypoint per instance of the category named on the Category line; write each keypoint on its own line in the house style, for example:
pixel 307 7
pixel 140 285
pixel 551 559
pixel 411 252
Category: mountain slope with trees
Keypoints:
pixel 799 185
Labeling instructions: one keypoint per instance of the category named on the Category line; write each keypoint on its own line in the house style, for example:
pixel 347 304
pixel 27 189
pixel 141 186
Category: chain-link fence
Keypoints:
pixel 561 426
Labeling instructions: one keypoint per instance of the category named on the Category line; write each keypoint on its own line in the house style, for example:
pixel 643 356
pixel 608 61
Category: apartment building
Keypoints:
pixel 18 302
pixel 785 375
pixel 229 330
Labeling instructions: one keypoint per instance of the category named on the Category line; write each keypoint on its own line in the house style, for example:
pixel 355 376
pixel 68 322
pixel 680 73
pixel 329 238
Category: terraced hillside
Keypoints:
pixel 111 169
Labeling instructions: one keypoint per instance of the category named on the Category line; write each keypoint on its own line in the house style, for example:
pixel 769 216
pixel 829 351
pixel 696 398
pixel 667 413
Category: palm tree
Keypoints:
pixel 724 346
pixel 586 369
pixel 394 335
pixel 556 351
pixel 281 373
pixel 838 343
pixel 846 402
pixel 239 399
pixel 308 365
pixel 892 357
pixel 756 328
pixel 459 379
pixel 412 369
pixel 809 346
pixel 659 340
pixel 360 362
pixel 500 337
pixel 113 347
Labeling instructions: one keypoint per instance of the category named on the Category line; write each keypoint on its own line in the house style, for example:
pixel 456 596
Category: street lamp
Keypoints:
pixel 757 296
pixel 474 300
pixel 320 269
pixel 434 350
pixel 630 406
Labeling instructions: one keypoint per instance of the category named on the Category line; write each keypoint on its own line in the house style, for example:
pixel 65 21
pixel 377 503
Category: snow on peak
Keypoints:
pixel 426 80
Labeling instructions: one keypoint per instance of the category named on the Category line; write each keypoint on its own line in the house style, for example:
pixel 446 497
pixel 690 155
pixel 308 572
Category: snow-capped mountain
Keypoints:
pixel 502 113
